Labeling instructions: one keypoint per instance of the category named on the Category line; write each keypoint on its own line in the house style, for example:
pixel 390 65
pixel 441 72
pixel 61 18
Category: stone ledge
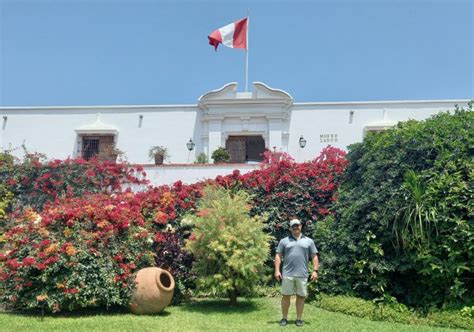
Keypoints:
pixel 196 165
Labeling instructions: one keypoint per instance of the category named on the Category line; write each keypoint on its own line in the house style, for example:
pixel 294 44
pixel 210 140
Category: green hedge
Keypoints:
pixel 403 223
pixel 393 312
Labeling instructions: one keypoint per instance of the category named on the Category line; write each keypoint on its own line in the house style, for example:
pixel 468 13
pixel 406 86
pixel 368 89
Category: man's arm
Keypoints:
pixel 277 266
pixel 314 274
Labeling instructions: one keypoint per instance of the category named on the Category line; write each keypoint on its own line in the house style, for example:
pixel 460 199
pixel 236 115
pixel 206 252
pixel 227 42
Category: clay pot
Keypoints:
pixel 159 158
pixel 153 292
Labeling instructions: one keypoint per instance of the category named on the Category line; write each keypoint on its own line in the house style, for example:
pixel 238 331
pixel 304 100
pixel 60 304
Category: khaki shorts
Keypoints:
pixel 294 285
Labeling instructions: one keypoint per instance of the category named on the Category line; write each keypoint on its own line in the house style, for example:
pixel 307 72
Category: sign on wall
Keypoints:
pixel 328 138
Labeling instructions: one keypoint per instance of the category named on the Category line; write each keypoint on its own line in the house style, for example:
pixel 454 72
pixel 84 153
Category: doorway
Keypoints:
pixel 243 149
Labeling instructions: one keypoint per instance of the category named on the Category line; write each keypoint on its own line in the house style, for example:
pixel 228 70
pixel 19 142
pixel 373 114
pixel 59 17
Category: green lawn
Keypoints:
pixel 204 315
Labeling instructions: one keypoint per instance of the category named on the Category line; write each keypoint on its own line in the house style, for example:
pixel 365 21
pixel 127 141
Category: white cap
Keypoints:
pixel 294 222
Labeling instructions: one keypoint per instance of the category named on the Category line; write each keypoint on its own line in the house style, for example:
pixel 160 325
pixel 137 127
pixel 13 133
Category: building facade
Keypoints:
pixel 246 123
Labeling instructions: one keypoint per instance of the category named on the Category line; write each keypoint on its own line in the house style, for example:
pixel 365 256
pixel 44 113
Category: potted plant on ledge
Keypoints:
pixel 220 155
pixel 111 153
pixel 158 153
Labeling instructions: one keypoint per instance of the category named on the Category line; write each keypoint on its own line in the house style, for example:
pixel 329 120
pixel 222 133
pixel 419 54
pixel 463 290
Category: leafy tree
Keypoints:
pixel 403 222
pixel 229 246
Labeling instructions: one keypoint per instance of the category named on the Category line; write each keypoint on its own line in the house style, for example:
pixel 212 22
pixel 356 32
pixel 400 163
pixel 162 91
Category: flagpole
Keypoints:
pixel 247 54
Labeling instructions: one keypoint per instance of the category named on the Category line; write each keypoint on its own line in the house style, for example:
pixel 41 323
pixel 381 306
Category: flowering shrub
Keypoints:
pixel 163 207
pixel 281 189
pixel 6 196
pixel 284 188
pixel 34 182
pixel 230 247
pixel 78 252
pixel 78 236
pixel 5 201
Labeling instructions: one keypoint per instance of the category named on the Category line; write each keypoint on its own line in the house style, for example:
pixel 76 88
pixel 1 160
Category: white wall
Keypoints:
pixel 168 174
pixel 51 130
pixel 315 119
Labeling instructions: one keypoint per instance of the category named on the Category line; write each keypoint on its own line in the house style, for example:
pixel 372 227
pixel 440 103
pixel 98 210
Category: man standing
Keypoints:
pixel 296 250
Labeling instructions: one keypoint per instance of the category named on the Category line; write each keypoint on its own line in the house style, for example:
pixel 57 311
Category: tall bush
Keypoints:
pixel 76 253
pixel 403 223
pixel 229 246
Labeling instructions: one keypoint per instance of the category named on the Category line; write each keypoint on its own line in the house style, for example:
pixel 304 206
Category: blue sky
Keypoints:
pixel 156 52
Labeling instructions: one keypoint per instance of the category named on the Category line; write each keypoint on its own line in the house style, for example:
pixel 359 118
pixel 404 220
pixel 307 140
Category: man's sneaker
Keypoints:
pixel 283 322
pixel 299 322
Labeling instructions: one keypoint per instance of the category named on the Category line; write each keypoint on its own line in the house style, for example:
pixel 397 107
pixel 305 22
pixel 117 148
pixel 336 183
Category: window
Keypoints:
pixel 90 147
pixel 102 146
pixel 375 129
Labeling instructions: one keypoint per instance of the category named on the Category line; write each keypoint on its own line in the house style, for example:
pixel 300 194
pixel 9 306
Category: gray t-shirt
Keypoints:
pixel 296 255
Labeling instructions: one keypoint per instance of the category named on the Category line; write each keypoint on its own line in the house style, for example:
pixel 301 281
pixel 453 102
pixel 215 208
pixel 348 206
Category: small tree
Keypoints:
pixel 201 158
pixel 220 155
pixel 229 246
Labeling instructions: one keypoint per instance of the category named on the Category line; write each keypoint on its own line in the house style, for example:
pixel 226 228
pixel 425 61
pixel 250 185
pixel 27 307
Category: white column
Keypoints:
pixel 215 134
pixel 274 133
pixel 205 145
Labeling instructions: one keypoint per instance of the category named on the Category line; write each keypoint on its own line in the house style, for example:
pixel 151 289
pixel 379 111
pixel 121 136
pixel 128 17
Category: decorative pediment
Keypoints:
pixel 380 125
pixel 228 91
pixel 263 91
pixel 98 127
pixel 262 95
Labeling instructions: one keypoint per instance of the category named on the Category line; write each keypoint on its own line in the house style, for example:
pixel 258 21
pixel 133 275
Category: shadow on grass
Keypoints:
pixel 198 305
pixel 206 306
pixel 86 312
pixel 290 322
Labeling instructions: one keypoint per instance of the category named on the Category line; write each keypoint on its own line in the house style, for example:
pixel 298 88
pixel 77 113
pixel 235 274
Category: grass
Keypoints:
pixel 261 314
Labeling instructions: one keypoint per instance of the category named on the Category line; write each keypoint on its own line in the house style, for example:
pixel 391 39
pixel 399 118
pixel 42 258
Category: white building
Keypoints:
pixel 244 122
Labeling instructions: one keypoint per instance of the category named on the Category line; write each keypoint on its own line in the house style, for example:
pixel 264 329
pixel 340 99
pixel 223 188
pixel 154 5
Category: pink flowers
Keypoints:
pixel 35 183
pixel 28 261
pixel 161 218
pixel 13 264
pixel 45 176
pixel 82 213
pixel 159 237
pixel 41 266
pixel 70 290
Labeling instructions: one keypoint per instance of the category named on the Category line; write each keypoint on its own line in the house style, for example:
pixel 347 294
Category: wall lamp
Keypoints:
pixel 302 142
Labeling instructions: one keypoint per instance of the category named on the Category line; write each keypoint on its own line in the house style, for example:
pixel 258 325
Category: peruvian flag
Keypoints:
pixel 233 35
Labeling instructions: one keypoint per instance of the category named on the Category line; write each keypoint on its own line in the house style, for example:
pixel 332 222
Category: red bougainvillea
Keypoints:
pixel 85 236
pixel 284 189
pixel 78 252
pixel 33 183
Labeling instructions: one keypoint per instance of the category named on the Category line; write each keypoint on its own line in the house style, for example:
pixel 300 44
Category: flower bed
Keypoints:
pixel 82 239
pixel 78 252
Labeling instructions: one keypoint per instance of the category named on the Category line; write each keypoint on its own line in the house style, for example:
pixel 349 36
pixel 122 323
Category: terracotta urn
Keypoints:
pixel 159 158
pixel 153 292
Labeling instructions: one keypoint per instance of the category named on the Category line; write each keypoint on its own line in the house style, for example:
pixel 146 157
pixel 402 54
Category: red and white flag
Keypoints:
pixel 233 35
